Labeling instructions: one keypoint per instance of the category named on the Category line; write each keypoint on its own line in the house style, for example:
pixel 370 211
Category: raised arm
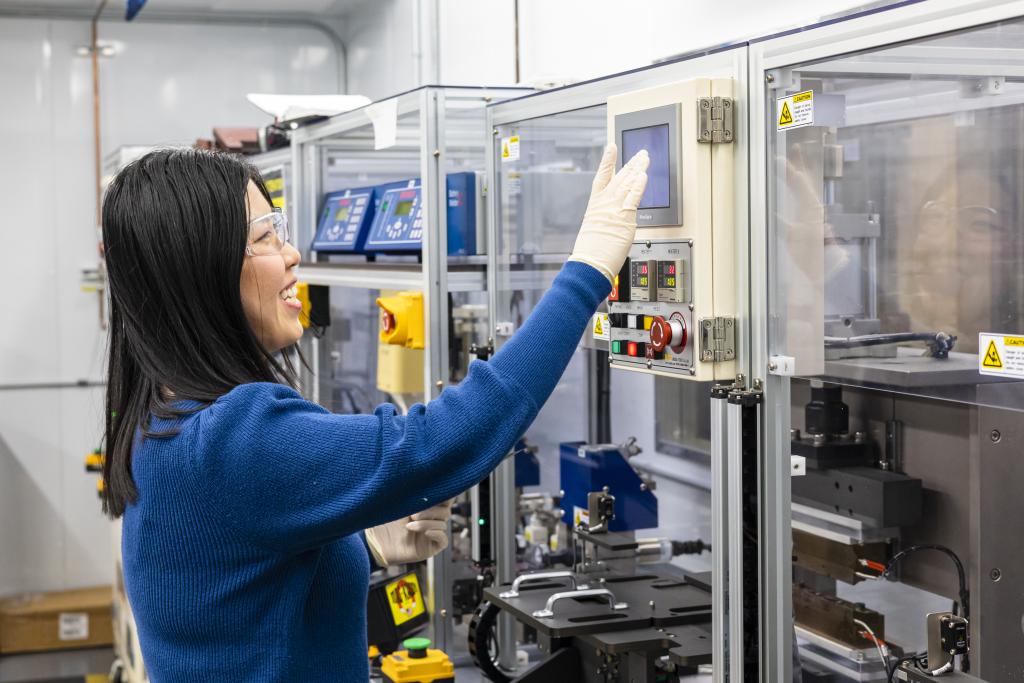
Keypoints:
pixel 290 475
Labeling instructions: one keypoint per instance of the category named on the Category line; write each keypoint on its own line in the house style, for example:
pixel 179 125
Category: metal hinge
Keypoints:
pixel 715 119
pixel 717 339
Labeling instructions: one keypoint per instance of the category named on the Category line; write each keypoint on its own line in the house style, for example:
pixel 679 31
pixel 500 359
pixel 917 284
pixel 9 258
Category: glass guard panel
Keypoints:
pixel 543 185
pixel 896 218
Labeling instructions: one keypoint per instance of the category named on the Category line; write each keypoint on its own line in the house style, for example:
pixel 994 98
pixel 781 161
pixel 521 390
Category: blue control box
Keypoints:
pixel 586 468
pixel 399 223
pixel 345 220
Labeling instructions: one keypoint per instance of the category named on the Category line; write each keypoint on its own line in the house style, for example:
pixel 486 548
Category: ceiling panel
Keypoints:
pixel 248 7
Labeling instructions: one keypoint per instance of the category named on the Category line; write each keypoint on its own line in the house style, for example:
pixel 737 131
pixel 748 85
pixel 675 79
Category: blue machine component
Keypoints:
pixel 586 468
pixel 398 225
pixel 345 220
pixel 527 466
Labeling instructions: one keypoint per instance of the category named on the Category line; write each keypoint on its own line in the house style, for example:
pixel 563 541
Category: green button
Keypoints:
pixel 416 643
pixel 617 346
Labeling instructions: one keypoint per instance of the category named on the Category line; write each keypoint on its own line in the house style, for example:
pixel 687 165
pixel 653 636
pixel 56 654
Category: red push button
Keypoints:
pixel 669 333
pixel 636 349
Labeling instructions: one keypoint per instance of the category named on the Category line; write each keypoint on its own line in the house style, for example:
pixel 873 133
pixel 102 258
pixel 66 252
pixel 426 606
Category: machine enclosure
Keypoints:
pixel 586 468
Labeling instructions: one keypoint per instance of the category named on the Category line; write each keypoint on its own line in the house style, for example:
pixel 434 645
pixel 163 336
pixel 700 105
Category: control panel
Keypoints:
pixel 672 309
pixel 651 310
pixel 399 223
pixel 345 220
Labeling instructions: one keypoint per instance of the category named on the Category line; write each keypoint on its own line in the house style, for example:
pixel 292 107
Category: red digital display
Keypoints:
pixel 643 269
pixel 408 194
pixel 345 202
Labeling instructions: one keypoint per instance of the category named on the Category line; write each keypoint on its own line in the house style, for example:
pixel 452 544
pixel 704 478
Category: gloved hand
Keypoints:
pixel 610 221
pixel 411 539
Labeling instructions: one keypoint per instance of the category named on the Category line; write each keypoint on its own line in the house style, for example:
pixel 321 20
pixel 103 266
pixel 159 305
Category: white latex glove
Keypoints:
pixel 411 539
pixel 609 224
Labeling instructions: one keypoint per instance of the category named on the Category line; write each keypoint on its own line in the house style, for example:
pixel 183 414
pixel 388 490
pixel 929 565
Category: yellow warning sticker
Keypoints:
pixel 992 359
pixel 602 327
pixel 795 111
pixel 786 117
pixel 405 599
pixel 510 149
pixel 1001 355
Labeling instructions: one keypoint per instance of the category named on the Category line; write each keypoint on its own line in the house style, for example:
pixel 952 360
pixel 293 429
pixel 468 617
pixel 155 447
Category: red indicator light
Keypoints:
pixel 631 349
pixel 408 194
pixel 345 202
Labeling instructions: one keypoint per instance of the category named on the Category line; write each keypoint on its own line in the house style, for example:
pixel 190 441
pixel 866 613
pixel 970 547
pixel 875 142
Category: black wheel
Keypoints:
pixel 483 642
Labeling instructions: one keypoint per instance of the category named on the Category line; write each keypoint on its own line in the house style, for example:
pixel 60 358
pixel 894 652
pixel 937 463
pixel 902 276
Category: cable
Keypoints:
pixel 963 609
pixel 883 651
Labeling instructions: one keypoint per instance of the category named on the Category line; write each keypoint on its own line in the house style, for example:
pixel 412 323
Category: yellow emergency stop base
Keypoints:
pixel 418 664
pixel 402 319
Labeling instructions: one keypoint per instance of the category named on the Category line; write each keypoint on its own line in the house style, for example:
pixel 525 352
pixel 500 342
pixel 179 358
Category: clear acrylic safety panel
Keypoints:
pixel 543 184
pixel 542 192
pixel 896 216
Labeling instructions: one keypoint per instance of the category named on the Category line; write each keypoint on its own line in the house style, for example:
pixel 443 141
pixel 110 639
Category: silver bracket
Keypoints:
pixel 717 339
pixel 715 119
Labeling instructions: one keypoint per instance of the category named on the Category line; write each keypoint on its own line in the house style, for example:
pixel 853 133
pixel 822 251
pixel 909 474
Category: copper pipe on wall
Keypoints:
pixel 94 51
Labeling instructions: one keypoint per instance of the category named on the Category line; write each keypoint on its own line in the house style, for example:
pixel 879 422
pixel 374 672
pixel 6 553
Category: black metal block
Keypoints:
pixel 882 499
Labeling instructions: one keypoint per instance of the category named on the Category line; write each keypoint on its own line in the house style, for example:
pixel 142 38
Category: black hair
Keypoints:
pixel 175 228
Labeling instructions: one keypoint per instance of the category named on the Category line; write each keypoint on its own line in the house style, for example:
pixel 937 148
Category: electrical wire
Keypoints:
pixel 883 650
pixel 963 607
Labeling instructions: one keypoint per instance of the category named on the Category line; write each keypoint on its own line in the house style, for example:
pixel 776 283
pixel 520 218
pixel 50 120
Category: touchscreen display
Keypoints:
pixel 655 140
pixel 403 208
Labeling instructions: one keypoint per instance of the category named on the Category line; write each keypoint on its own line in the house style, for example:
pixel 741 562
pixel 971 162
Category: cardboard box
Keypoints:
pixel 62 620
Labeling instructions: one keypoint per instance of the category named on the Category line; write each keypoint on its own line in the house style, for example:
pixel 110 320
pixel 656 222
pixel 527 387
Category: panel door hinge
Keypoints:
pixel 715 119
pixel 717 339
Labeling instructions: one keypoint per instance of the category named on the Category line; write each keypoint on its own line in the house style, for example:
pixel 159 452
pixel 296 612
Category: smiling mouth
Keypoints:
pixel 290 296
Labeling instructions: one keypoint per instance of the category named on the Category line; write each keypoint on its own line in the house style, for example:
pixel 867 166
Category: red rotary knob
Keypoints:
pixel 388 321
pixel 669 333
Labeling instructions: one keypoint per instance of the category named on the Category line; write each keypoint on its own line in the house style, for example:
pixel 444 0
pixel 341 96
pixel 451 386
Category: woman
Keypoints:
pixel 244 505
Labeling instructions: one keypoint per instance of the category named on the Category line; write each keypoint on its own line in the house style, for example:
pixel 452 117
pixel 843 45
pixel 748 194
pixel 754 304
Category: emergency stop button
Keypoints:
pixel 669 333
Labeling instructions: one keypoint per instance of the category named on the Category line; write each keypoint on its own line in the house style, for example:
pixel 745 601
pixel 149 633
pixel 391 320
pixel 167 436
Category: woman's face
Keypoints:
pixel 268 280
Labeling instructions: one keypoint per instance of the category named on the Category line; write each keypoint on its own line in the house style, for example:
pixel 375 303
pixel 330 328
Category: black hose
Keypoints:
pixel 964 607
pixel 939 343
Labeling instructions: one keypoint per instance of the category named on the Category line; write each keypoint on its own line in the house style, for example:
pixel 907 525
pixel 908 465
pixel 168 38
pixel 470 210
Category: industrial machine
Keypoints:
pixel 593 609
pixel 345 220
pixel 673 306
pixel 398 223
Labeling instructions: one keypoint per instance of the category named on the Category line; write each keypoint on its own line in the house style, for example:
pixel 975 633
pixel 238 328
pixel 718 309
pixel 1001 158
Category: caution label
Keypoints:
pixel 601 327
pixel 510 149
pixel 1001 355
pixel 405 599
pixel 795 111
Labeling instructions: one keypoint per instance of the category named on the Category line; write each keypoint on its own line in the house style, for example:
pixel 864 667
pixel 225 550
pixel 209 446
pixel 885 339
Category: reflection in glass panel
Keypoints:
pixel 898 214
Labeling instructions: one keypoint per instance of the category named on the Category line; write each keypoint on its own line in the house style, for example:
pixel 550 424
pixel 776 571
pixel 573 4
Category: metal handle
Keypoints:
pixel 540 576
pixel 549 612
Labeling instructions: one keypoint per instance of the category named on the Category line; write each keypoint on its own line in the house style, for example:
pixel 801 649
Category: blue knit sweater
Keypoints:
pixel 243 555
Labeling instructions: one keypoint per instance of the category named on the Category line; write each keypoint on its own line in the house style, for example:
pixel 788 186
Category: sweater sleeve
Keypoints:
pixel 288 475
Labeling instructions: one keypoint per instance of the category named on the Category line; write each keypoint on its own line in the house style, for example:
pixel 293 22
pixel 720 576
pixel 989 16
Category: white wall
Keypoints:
pixel 574 40
pixel 169 83
pixel 380 45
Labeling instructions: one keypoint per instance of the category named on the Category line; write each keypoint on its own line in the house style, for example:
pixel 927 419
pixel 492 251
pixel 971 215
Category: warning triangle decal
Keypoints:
pixel 785 118
pixel 992 359
pixel 598 329
pixel 504 151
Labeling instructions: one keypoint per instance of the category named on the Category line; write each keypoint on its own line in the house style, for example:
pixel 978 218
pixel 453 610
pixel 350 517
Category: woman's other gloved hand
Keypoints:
pixel 411 539
pixel 610 221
